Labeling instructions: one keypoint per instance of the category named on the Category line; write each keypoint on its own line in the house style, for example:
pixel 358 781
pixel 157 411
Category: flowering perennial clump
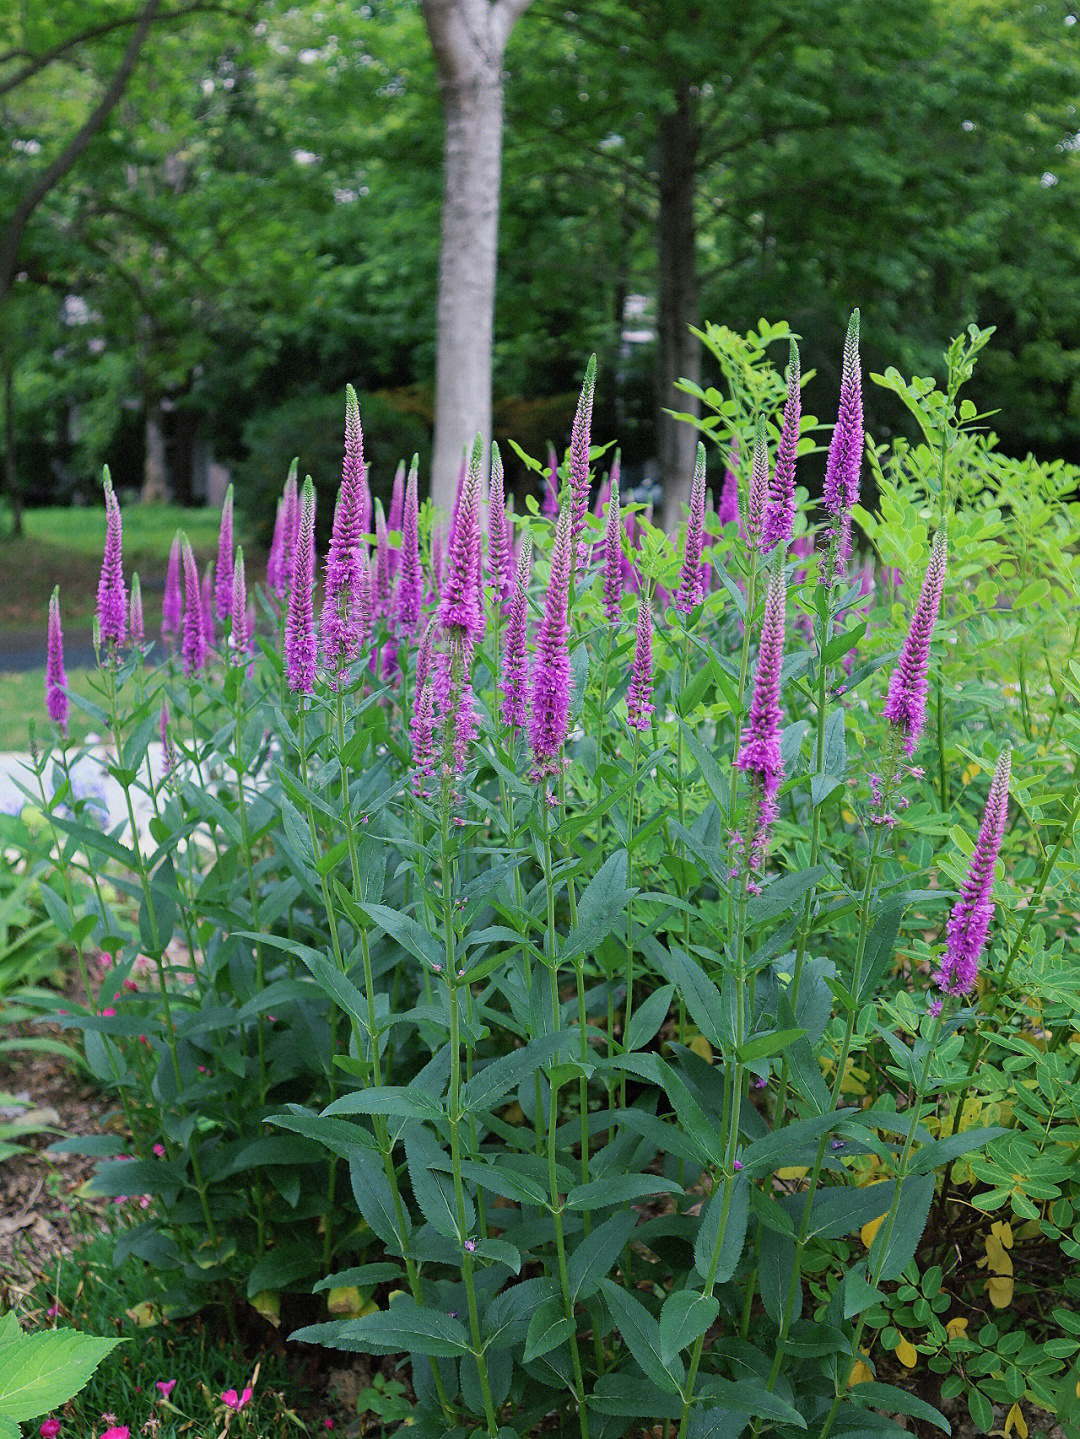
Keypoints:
pixel 970 919
pixel 905 708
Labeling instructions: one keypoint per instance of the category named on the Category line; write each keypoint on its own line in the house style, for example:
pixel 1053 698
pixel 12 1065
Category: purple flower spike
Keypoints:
pixel 383 571
pixel 396 512
pixel 728 513
pixel 112 596
pixel 241 633
pixel 422 732
pixel 172 602
pixel 971 914
pixel 613 556
pixel 500 545
pixel 905 708
pixel 56 699
pixel 423 656
pixel 841 487
pixel 207 602
pixel 758 494
pixel 193 646
pixel 275 574
pixel 691 590
pixel 780 506
pixel 759 755
pixel 551 485
pixel 579 463
pixel 136 627
pixel 290 519
pixel 363 603
pixel 300 622
pixel 516 661
pixel 639 704
pixel 550 711
pixel 168 754
pixel 339 627
pixel 410 579
pixel 459 603
pixel 224 572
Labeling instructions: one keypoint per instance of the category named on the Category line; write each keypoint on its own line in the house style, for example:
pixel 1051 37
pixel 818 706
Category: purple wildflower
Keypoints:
pixel 207 603
pixel 422 731
pixel 759 755
pixel 905 708
pixel 410 579
pixel 515 660
pixel 780 506
pixel 339 636
pixel 396 511
pixel 454 695
pixel 550 711
pixel 383 571
pixel 841 487
pixel 275 575
pixel 728 513
pixel 168 755
pixel 363 602
pixel 691 591
pixel 971 914
pixel 56 699
pixel 758 494
pixel 193 647
pixel 639 704
pixel 241 633
pixel 112 596
pixel 579 463
pixel 423 656
pixel 136 627
pixel 290 519
pixel 299 622
pixel 172 602
pixel 224 581
pixel 459 604
pixel 551 485
pixel 500 545
pixel 613 557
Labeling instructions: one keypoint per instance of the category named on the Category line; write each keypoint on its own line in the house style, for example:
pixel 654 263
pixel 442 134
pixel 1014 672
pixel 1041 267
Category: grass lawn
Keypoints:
pixel 22 698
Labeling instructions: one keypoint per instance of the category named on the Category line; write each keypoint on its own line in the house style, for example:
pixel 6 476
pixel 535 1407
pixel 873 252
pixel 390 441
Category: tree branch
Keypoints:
pixel 70 154
pixel 37 63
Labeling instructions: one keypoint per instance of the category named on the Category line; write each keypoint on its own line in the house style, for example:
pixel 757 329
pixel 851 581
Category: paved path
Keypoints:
pixel 89 781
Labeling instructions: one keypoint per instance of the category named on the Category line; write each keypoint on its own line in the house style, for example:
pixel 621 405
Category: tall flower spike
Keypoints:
pixel 970 919
pixel 290 517
pixel 459 604
pixel 410 580
pixel 500 547
pixel 580 437
pixel 780 505
pixel 905 708
pixel 168 755
pixel 759 755
pixel 300 621
pixel 551 485
pixel 112 596
pixel 422 732
pixel 840 490
pixel 758 493
pixel 613 557
pixel 56 699
pixel 275 559
pixel 691 590
pixel 515 667
pixel 728 512
pixel 423 656
pixel 194 642
pixel 639 705
pixel 207 601
pixel 136 627
pixel 172 602
pixel 550 710
pixel 339 634
pixel 241 634
pixel 364 602
pixel 224 569
pixel 383 572
pixel 397 499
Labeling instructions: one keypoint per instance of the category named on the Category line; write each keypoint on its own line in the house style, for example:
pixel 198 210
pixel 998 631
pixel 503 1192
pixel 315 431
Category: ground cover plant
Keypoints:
pixel 630 977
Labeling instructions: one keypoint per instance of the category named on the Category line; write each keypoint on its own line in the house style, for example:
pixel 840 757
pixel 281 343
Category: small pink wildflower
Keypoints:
pixel 159 1150
pixel 165 1386
pixel 50 1429
pixel 232 1400
pixel 108 1013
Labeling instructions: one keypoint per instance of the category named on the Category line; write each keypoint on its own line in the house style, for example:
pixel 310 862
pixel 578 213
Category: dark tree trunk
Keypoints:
pixel 677 288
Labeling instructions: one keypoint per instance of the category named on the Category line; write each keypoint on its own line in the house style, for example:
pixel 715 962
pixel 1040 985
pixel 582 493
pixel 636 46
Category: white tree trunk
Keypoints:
pixel 469 40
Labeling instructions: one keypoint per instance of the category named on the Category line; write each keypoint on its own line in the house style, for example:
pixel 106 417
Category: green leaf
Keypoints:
pixel 913 1208
pixel 981 1410
pixel 619 1189
pixel 641 1333
pixel 898 1401
pixel 944 1151
pixel 751 1397
pixel 701 996
pixel 406 1327
pixel 600 908
pixel 410 935
pixel 734 1235
pixel 39 1372
pixel 400 1102
pixel 495 1080
pixel 764 1045
pixel 684 1318
pixel 596 1253
pixel 648 1017
pixel 783 894
pixel 548 1328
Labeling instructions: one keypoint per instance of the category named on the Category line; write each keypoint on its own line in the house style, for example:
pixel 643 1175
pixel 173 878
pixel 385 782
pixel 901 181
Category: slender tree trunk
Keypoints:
pixel 469 40
pixel 155 485
pixel 11 478
pixel 677 287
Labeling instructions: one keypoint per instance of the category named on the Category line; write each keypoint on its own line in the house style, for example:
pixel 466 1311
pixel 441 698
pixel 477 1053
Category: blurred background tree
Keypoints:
pixel 255 220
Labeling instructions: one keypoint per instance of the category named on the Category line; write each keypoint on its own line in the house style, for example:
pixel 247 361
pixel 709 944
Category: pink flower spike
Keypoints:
pixel 780 506
pixel 970 919
pixel 759 755
pixel 758 494
pixel 459 604
pixel 112 595
pixel 639 704
pixel 224 571
pixel 299 622
pixel 410 576
pixel 905 708
pixel 136 627
pixel 515 659
pixel 728 511
pixel 56 699
pixel 50 1428
pixel 613 556
pixel 550 711
pixel 194 641
pixel 165 1387
pixel 580 437
pixel 500 556
pixel 691 589
pixel 172 603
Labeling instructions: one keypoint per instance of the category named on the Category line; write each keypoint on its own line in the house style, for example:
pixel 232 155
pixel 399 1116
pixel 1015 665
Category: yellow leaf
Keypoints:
pixel 1000 1290
pixel 956 1327
pixel 1015 1420
pixel 970 773
pixel 268 1303
pixel 860 1374
pixel 793 1171
pixel 868 1231
pixel 345 1300
pixel 907 1354
pixel 702 1048
pixel 144 1314
pixel 849 818
pixel 1002 1231
pixel 996 1258
pixel 514 1114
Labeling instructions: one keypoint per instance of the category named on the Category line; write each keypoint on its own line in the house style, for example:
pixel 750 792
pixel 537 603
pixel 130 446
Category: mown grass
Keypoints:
pixel 22 699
